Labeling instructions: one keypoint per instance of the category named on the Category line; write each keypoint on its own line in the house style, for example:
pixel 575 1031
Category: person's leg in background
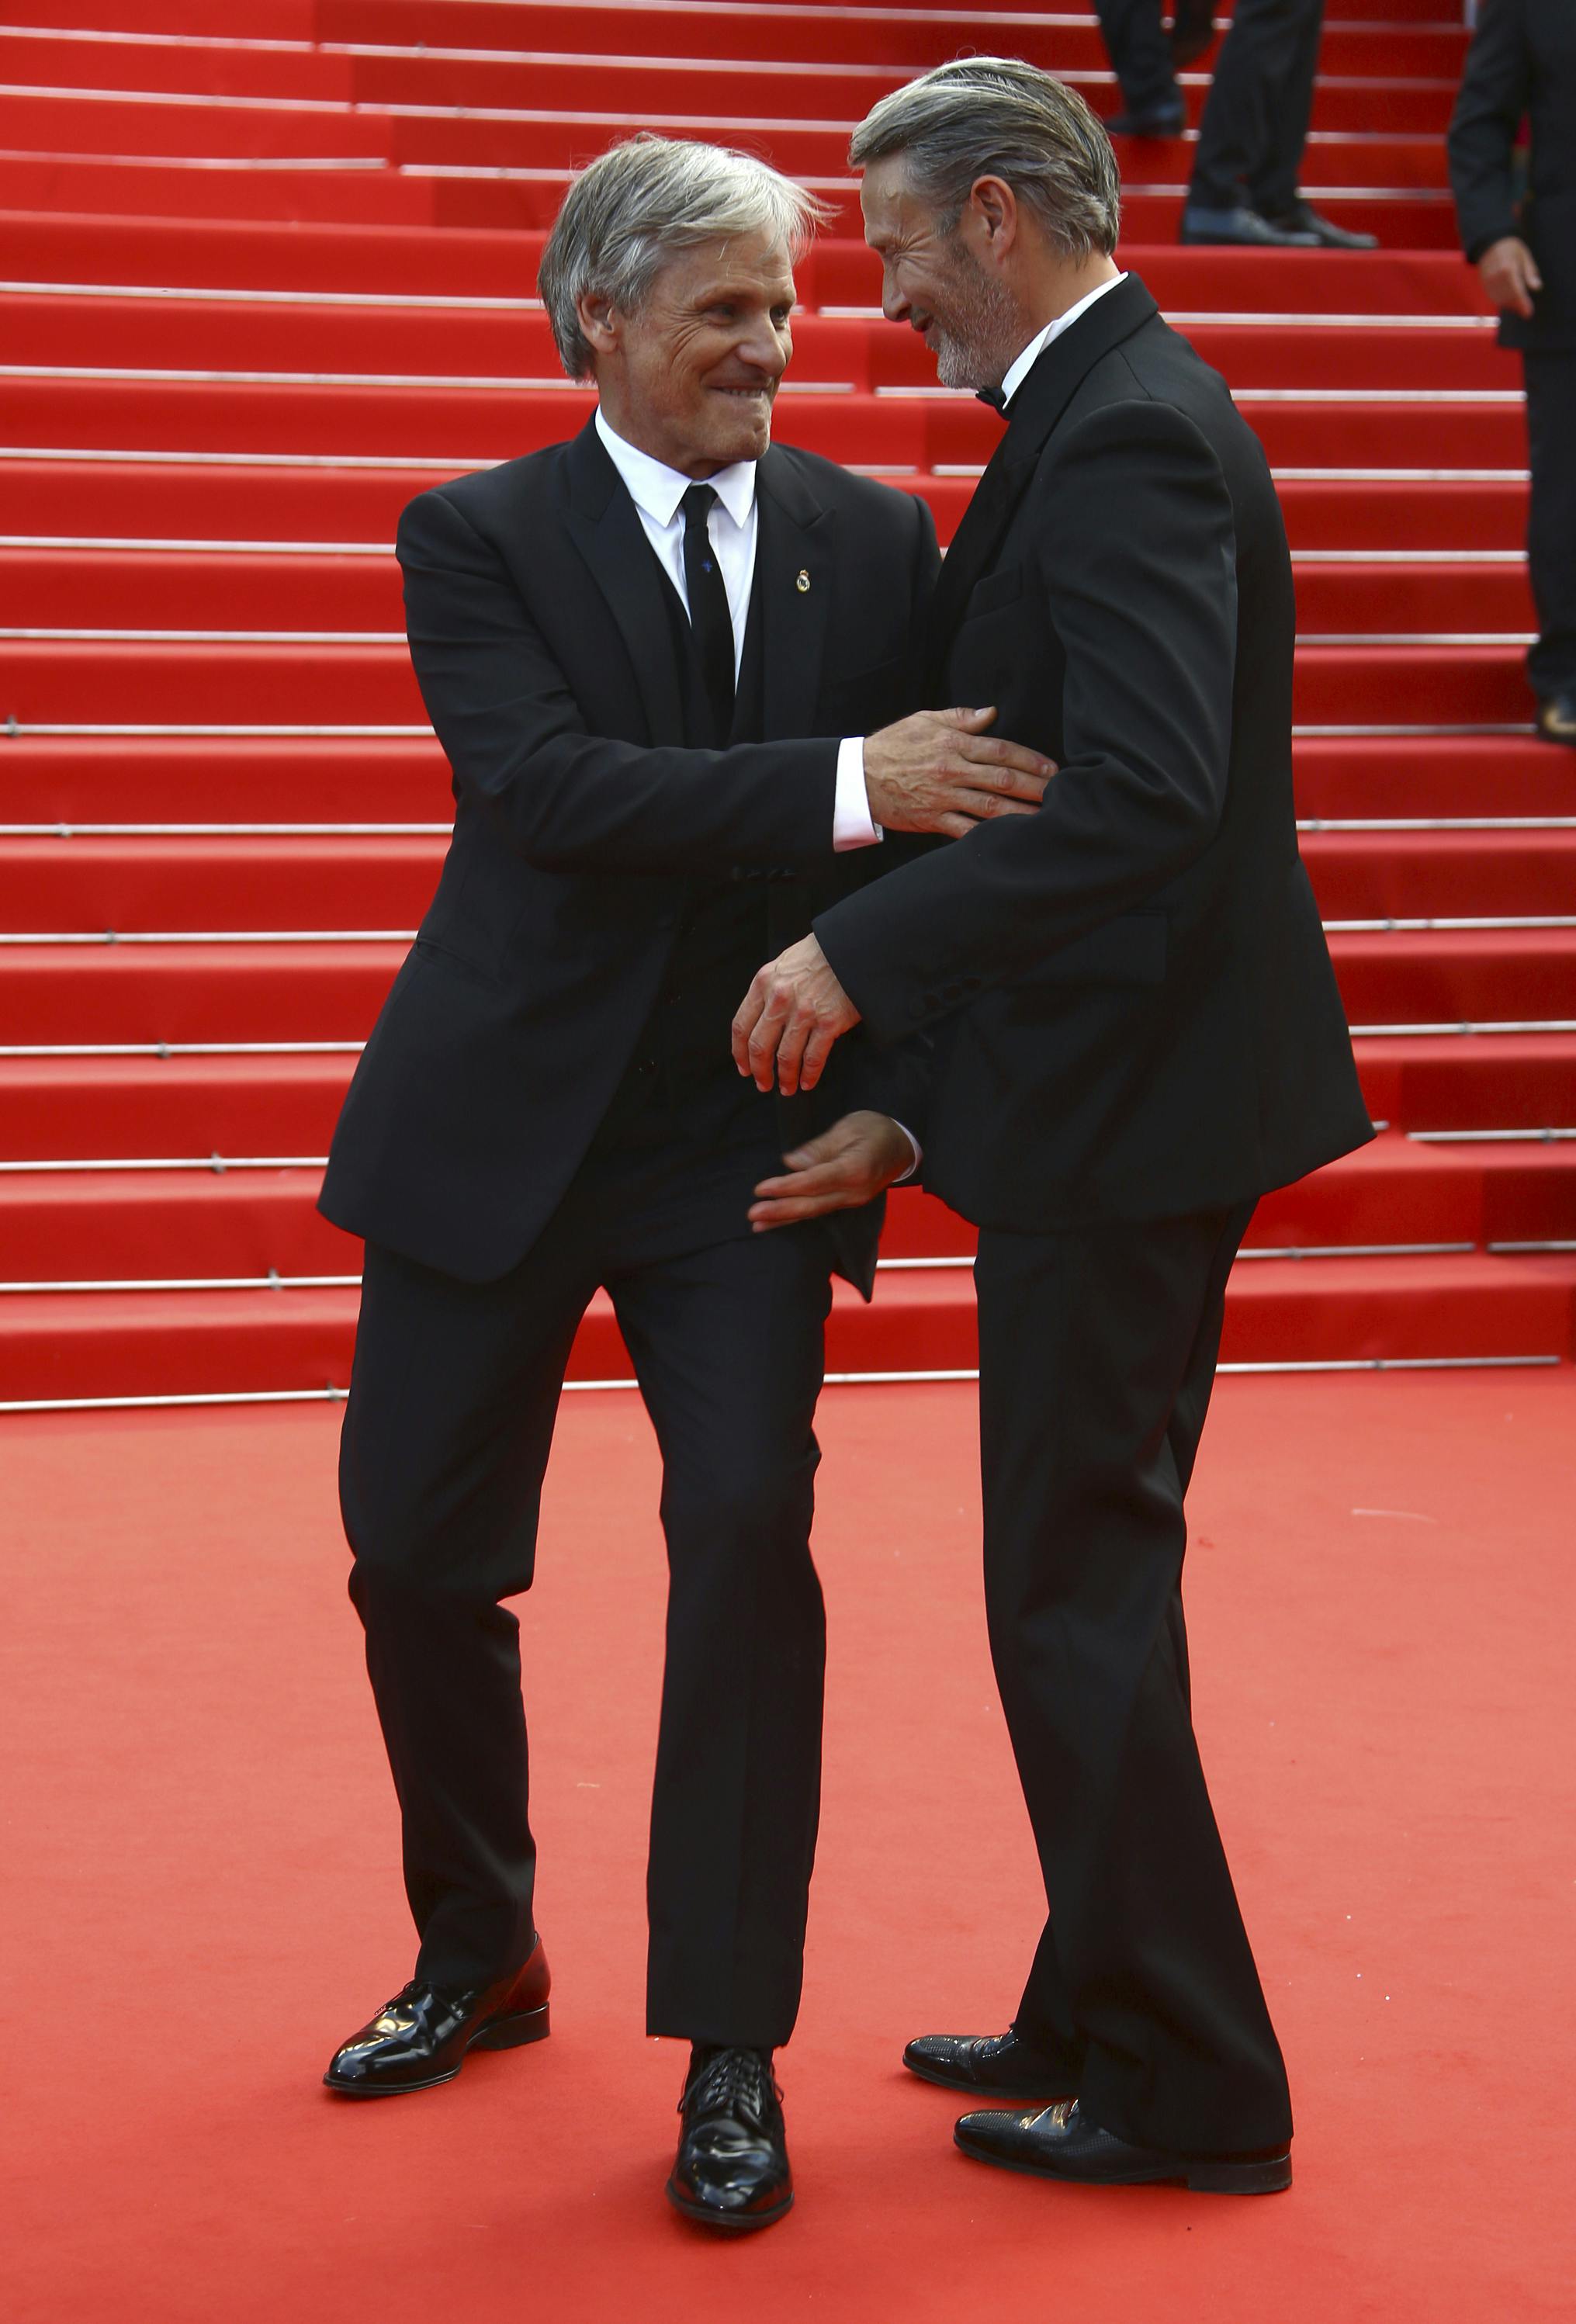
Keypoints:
pixel 1551 536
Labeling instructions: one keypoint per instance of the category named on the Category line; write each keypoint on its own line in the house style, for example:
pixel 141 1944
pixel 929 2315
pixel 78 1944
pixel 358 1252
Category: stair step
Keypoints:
pixel 130 883
pixel 174 333
pixel 144 779
pixel 65 1345
pixel 169 681
pixel 182 588
pixel 165 500
pixel 238 1217
pixel 410 261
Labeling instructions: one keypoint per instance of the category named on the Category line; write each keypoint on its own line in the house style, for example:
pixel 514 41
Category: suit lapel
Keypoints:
pixel 1034 411
pixel 794 552
pixel 605 527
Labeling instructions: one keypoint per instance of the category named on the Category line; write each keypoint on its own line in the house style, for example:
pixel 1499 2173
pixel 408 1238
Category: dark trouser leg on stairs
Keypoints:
pixel 1551 532
pixel 1255 121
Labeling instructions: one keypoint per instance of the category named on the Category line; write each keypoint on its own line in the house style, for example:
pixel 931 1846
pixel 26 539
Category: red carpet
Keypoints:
pixel 201 1896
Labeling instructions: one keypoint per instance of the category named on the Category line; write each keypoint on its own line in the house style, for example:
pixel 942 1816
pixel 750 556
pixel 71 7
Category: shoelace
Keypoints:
pixel 733 2079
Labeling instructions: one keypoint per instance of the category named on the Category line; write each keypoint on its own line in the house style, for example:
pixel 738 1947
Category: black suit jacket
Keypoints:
pixel 545 654
pixel 1135 1014
pixel 1522 67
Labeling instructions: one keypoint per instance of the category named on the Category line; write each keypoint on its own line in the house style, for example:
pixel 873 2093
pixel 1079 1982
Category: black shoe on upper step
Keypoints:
pixel 732 2169
pixel 1557 718
pixel 420 2038
pixel 1303 218
pixel 989 2065
pixel 1060 2142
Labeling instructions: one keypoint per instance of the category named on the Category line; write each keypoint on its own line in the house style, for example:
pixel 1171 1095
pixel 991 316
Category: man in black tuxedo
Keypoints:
pixel 1522 68
pixel 650 655
pixel 1137 1031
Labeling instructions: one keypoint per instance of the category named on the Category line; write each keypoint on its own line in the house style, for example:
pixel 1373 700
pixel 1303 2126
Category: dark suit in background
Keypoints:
pixel 1521 67
pixel 548 1103
pixel 1137 1031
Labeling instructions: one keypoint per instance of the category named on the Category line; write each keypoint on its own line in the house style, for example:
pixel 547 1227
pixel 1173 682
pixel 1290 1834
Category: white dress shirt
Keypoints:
pixel 731 527
pixel 1036 347
pixel 733 524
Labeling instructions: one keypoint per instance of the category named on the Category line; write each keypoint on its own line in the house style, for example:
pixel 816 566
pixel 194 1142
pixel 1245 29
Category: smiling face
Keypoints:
pixel 691 376
pixel 950 289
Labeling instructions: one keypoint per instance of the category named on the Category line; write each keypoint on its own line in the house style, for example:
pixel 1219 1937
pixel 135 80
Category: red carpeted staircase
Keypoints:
pixel 264 273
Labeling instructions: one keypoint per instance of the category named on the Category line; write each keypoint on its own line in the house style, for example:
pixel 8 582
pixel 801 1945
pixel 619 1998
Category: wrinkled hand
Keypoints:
pixel 1510 275
pixel 790 1019
pixel 940 771
pixel 845 1167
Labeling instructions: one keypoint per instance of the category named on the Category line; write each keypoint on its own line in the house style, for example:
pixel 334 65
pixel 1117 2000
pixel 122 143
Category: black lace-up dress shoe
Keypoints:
pixel 1557 718
pixel 420 2038
pixel 1060 2142
pixel 990 2065
pixel 732 2169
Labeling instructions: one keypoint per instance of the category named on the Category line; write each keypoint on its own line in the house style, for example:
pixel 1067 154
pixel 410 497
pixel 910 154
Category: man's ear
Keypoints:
pixel 995 207
pixel 599 320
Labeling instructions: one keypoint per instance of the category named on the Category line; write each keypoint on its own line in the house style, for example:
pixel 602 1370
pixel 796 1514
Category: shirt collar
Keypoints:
pixel 1036 347
pixel 658 489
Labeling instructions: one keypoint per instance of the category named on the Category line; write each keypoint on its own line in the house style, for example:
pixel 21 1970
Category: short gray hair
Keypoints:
pixel 997 117
pixel 642 202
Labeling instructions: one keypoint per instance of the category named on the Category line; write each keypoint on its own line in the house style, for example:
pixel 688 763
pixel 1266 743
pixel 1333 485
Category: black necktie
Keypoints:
pixel 708 607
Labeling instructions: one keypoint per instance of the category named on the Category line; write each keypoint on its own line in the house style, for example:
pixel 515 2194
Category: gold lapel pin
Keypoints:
pixel 803 584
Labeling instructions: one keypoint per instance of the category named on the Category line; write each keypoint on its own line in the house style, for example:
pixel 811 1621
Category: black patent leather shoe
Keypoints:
pixel 420 2038
pixel 1062 2143
pixel 1301 219
pixel 1557 718
pixel 732 2169
pixel 990 2065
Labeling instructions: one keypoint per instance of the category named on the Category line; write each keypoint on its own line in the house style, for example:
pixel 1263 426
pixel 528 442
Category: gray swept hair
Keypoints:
pixel 642 202
pixel 997 117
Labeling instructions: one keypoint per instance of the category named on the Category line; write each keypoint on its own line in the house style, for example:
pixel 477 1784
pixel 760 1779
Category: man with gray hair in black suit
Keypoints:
pixel 670 662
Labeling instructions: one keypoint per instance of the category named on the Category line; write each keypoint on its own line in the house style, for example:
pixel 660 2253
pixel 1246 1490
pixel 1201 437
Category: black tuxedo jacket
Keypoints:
pixel 545 653
pixel 1522 67
pixel 1133 1007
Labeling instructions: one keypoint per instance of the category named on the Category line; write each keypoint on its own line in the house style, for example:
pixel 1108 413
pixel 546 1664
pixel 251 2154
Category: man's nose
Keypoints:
pixel 764 350
pixel 894 305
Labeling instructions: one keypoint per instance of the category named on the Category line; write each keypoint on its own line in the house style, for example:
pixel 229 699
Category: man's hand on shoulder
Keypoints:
pixel 843 1169
pixel 940 771
pixel 790 1019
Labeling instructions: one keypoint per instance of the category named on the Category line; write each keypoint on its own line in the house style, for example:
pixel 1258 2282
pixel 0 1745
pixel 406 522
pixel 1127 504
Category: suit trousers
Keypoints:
pixel 1140 53
pixel 1255 121
pixel 448 1427
pixel 1551 532
pixel 1097 1356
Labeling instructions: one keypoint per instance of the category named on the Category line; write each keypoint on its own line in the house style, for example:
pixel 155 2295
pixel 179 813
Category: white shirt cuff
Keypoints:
pixel 851 821
pixel 918 1152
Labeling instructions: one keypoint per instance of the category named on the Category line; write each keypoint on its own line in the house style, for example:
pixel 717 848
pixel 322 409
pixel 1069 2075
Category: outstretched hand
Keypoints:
pixel 843 1169
pixel 787 1021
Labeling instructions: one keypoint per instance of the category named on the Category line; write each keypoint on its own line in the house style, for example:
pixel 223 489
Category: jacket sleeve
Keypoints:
pixel 1138 574
pixel 568 799
pixel 1495 91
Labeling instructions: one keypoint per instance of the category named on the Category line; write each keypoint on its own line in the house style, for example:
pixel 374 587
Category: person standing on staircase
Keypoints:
pixel 1250 139
pixel 656 656
pixel 1521 67
pixel 1136 1032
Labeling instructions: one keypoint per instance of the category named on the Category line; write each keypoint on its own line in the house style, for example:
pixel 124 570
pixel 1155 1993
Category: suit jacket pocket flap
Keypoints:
pixel 1128 951
pixel 996 590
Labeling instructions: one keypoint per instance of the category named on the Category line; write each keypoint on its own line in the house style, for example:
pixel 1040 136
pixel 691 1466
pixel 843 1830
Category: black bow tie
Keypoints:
pixel 994 398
